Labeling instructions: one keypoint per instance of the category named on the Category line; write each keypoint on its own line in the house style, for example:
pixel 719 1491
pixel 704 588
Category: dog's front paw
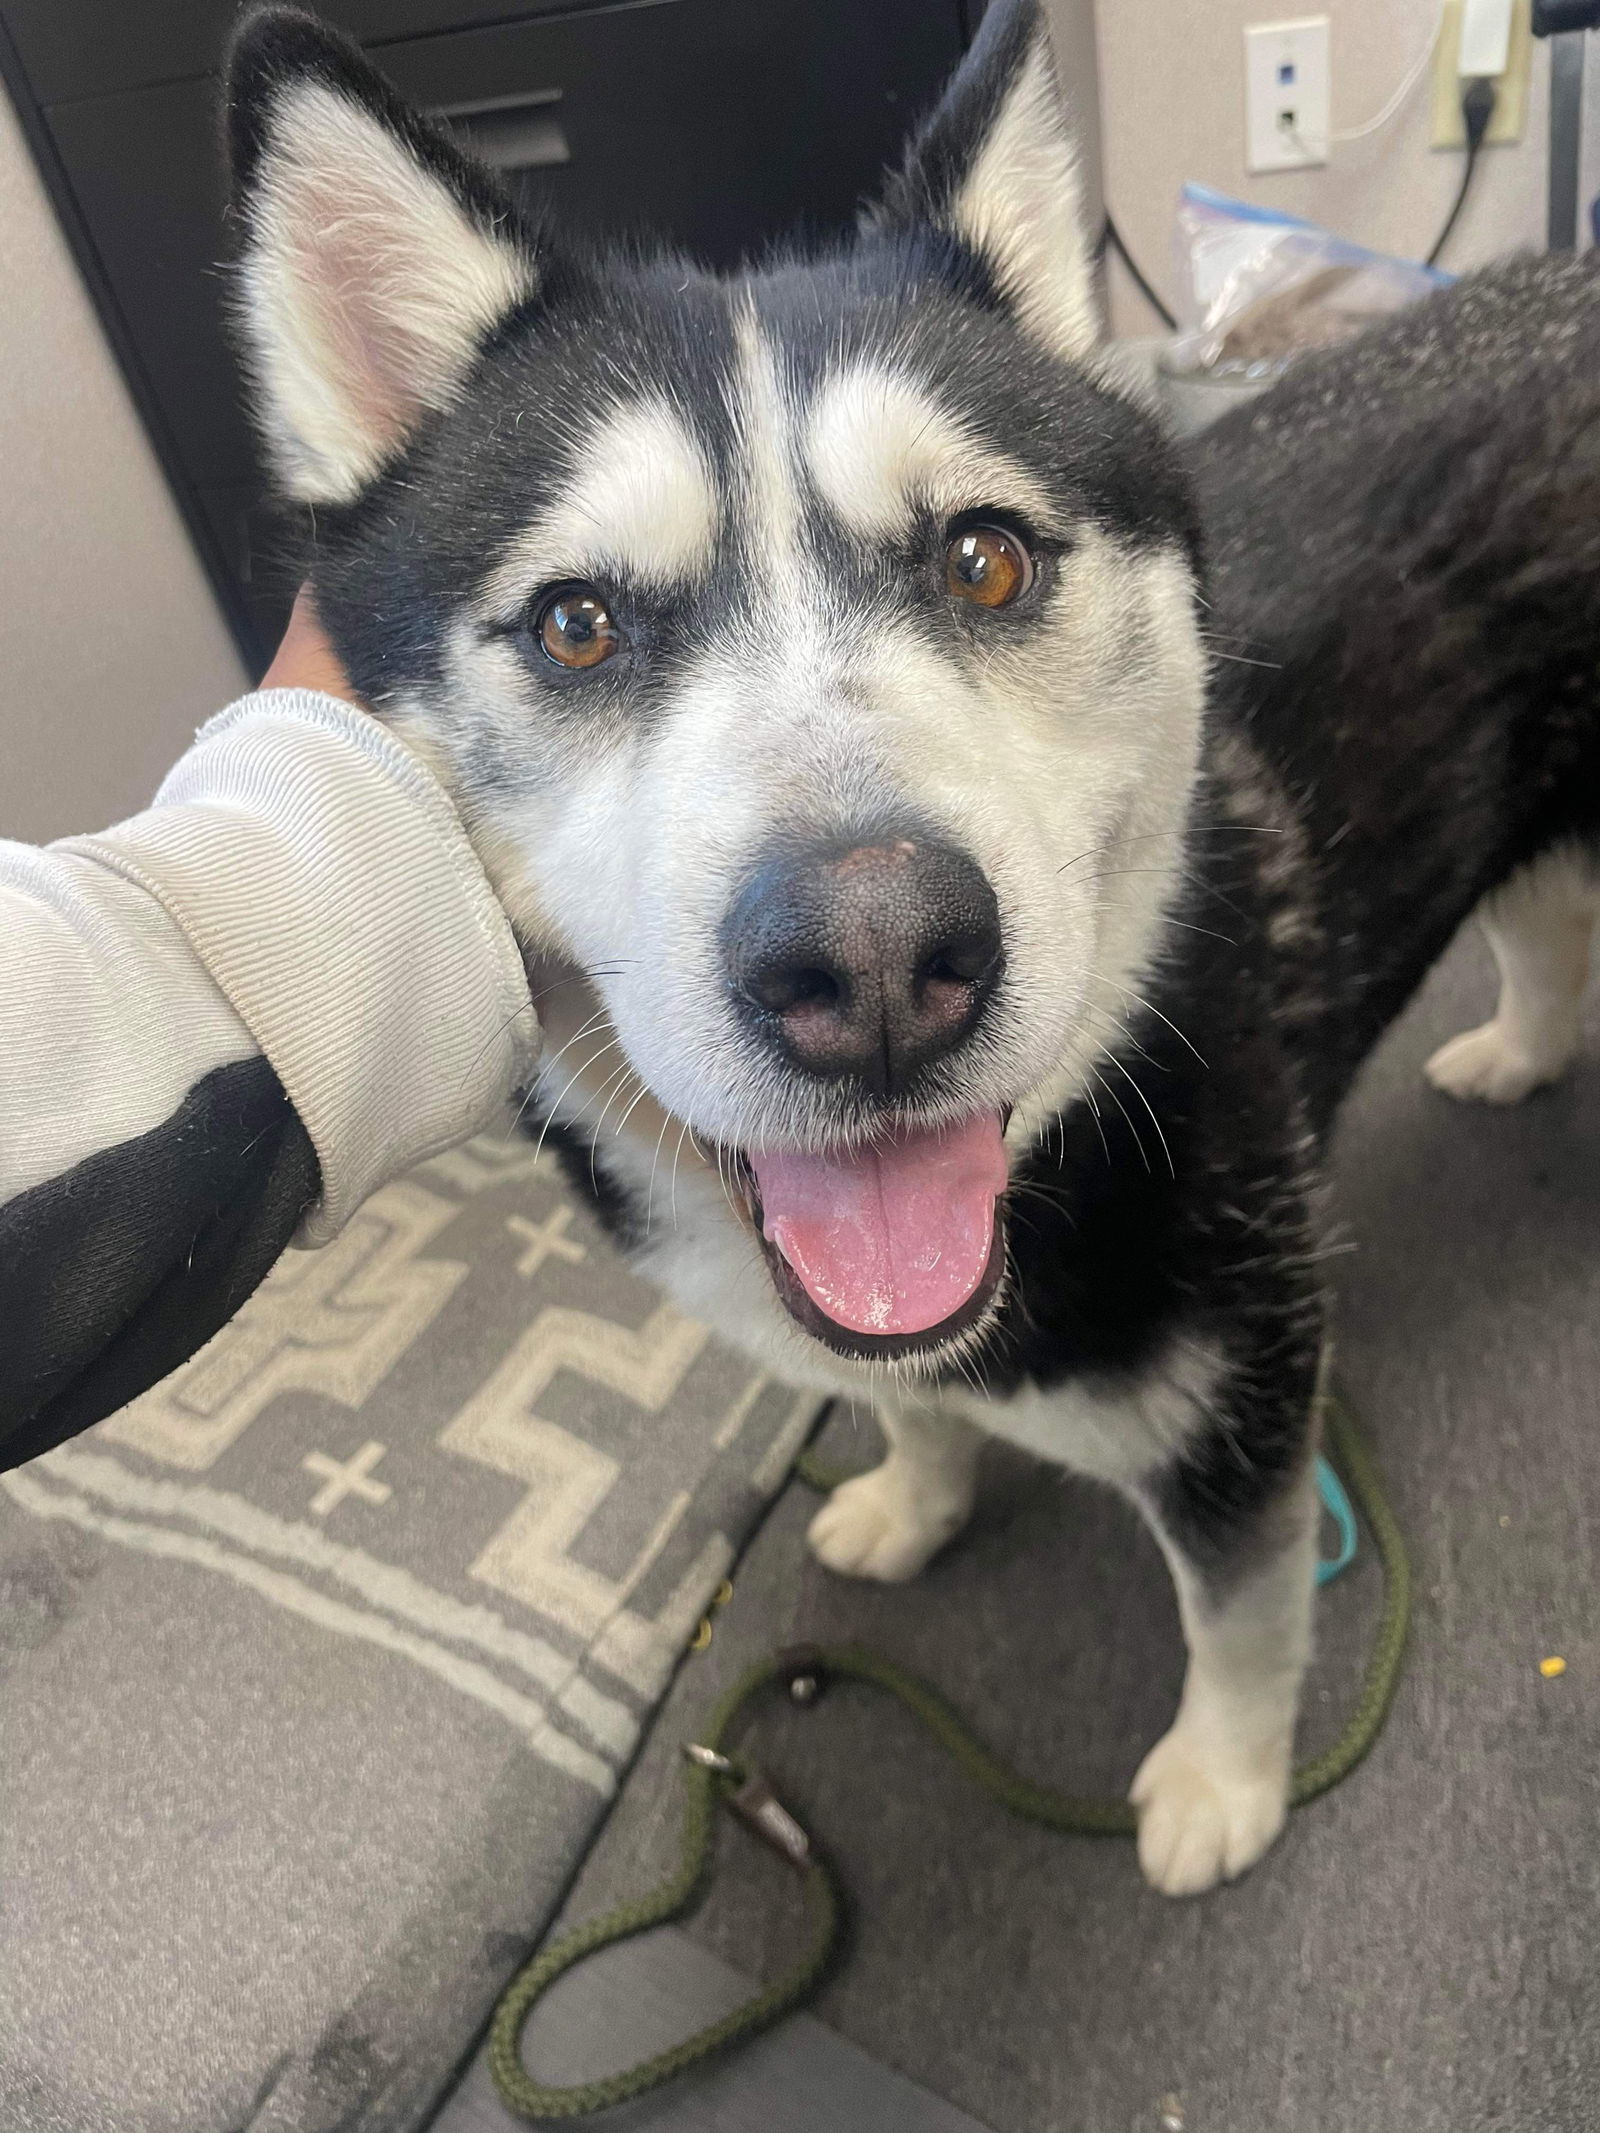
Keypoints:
pixel 1204 1818
pixel 886 1524
pixel 1485 1066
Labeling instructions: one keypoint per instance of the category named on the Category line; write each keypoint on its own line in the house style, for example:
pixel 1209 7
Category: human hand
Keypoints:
pixel 306 659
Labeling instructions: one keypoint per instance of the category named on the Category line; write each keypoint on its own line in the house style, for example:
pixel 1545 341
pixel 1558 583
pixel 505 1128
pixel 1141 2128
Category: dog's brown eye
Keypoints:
pixel 575 628
pixel 988 566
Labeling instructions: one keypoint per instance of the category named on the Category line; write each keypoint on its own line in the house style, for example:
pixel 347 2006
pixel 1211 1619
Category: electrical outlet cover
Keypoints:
pixel 1286 93
pixel 1511 88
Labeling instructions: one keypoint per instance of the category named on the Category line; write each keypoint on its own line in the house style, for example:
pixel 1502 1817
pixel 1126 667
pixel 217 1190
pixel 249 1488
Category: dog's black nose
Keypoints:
pixel 866 961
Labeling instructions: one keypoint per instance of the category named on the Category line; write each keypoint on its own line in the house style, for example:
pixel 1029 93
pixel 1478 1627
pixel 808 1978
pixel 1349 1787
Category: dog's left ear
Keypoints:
pixel 996 168
pixel 374 255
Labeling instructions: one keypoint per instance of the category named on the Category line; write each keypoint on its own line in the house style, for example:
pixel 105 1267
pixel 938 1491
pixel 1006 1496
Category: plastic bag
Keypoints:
pixel 1258 287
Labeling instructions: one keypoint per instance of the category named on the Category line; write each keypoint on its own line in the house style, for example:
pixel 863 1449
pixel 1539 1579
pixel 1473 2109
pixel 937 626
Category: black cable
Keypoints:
pixel 1112 236
pixel 1477 109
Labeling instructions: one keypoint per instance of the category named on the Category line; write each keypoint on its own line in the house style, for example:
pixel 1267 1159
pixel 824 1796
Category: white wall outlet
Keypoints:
pixel 1485 38
pixel 1471 39
pixel 1286 93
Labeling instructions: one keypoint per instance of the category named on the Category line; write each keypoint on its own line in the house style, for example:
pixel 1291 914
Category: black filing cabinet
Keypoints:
pixel 718 124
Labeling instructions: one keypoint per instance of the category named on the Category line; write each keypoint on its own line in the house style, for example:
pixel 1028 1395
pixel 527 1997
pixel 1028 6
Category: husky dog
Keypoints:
pixel 962 856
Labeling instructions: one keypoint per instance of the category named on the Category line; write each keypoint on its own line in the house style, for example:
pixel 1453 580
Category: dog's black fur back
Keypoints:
pixel 1406 534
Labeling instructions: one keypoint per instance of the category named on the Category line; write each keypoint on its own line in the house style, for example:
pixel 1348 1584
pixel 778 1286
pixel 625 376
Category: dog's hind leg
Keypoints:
pixel 1540 926
pixel 887 1523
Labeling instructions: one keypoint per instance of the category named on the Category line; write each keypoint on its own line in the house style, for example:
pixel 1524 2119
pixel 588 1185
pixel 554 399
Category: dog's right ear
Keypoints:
pixel 995 167
pixel 374 255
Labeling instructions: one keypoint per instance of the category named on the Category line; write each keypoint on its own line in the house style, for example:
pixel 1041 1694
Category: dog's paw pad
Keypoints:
pixel 1200 1823
pixel 883 1526
pixel 1483 1066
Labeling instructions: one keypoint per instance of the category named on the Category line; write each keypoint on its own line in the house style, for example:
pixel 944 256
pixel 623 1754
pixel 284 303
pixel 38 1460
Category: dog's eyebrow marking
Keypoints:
pixel 639 499
pixel 880 446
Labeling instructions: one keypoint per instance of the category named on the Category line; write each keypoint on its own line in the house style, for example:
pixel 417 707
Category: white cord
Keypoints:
pixel 1412 76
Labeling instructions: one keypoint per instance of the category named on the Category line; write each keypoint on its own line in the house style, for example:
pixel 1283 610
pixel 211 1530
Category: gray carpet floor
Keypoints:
pixel 1420 1950
pixel 651 1993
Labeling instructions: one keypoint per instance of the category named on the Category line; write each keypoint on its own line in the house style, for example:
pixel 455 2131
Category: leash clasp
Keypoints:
pixel 709 1759
pixel 753 1800
pixel 760 1809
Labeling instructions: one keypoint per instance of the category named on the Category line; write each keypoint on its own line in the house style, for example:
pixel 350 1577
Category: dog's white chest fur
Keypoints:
pixel 1115 1430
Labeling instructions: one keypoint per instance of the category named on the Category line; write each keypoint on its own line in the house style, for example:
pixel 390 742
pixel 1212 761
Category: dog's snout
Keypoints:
pixel 867 961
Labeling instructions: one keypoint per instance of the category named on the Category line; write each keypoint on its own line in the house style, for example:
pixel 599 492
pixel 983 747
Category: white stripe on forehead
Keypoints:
pixel 639 499
pixel 763 421
pixel 881 446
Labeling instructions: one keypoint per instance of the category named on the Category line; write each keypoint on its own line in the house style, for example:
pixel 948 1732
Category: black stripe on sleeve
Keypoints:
pixel 114 1273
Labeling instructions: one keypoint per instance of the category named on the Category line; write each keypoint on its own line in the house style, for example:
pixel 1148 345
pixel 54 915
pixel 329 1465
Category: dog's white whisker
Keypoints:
pixel 557 1101
pixel 650 1186
pixel 1123 1035
pixel 1107 1090
pixel 1112 1060
pixel 677 1155
pixel 1139 999
pixel 614 1083
pixel 643 1092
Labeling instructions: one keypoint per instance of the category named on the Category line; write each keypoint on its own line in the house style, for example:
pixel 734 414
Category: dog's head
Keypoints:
pixel 811 652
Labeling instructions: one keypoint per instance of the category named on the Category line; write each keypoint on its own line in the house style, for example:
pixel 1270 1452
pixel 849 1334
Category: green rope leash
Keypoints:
pixel 711 1777
pixel 716 1777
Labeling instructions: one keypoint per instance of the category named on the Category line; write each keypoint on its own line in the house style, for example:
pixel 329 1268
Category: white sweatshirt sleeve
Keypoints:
pixel 222 1025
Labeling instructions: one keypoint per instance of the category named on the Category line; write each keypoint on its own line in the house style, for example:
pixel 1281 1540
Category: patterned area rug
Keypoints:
pixel 322 1659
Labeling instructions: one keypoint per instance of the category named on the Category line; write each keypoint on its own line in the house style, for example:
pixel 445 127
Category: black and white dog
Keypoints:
pixel 963 855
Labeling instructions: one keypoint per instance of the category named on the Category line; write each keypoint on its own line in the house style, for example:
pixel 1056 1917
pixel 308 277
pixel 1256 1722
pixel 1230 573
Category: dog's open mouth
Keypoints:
pixel 891 1247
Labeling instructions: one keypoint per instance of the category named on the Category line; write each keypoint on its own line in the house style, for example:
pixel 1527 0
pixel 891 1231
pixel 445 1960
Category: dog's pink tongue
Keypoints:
pixel 891 1238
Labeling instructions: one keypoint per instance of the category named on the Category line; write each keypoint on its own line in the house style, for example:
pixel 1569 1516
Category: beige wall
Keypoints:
pixel 1172 108
pixel 111 649
pixel 1072 32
